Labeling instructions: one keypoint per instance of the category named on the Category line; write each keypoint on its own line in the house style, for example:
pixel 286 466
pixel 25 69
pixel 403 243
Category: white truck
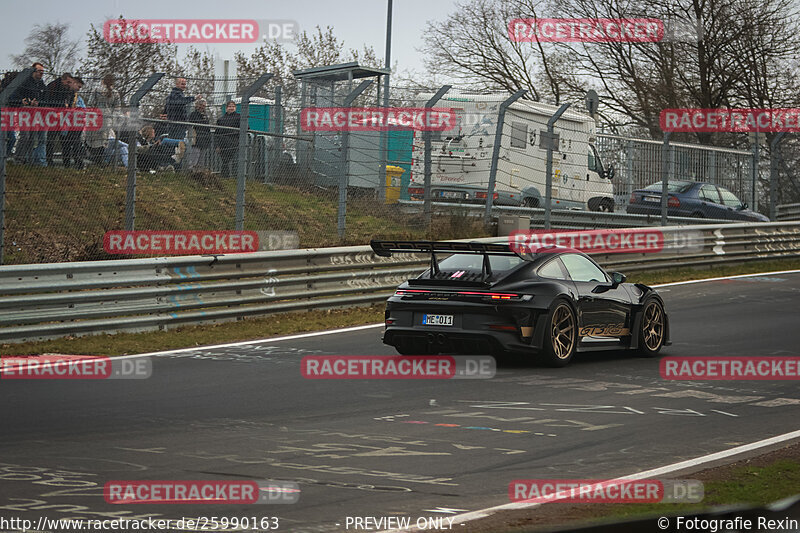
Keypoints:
pixel 461 157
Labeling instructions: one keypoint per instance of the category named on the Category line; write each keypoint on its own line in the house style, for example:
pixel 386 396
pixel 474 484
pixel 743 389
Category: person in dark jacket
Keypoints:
pixel 175 109
pixel 33 144
pixel 11 136
pixel 202 136
pixel 227 141
pixel 59 93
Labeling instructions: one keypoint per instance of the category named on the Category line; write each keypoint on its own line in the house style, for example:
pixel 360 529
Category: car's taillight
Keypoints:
pixel 482 195
pixel 632 199
pixel 672 201
pixel 416 190
pixel 389 321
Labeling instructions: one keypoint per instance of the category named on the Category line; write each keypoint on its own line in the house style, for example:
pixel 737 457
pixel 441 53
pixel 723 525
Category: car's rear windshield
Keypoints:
pixel 672 186
pixel 499 263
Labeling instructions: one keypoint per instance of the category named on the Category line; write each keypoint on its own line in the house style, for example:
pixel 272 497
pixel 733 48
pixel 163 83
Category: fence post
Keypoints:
pixel 773 173
pixel 130 193
pixel 666 168
pixel 548 194
pixel 754 192
pixel 7 93
pixel 348 101
pixel 241 169
pixel 426 135
pixel 498 137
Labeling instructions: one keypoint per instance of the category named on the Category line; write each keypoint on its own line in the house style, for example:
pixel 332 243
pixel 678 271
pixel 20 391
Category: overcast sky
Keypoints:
pixel 356 22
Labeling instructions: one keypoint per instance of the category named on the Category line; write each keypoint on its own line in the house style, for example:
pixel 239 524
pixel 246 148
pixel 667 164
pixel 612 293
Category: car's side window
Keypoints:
pixel 581 268
pixel 728 198
pixel 552 270
pixel 709 193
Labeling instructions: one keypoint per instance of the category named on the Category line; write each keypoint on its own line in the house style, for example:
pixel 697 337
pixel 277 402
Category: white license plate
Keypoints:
pixel 652 199
pixel 437 320
pixel 451 194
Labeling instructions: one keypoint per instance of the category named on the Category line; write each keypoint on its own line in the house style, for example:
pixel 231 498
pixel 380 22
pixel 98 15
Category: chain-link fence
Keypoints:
pixel 237 154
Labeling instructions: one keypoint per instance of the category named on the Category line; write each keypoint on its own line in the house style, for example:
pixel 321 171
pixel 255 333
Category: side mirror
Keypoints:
pixel 743 206
pixel 610 172
pixel 617 279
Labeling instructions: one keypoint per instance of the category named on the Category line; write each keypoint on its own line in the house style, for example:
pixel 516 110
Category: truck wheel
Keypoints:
pixel 530 202
pixel 607 205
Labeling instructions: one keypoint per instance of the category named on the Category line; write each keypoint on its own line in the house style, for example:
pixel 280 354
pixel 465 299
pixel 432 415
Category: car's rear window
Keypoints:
pixel 672 186
pixel 499 263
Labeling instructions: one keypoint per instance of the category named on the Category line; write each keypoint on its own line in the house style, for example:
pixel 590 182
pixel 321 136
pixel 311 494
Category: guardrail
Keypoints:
pixel 562 218
pixel 787 212
pixel 56 300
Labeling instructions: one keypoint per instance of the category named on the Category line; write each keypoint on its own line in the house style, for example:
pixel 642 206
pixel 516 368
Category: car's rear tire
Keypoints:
pixel 652 328
pixel 561 335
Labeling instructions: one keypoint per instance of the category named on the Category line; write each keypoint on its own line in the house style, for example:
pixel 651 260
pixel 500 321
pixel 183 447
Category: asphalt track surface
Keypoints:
pixel 379 448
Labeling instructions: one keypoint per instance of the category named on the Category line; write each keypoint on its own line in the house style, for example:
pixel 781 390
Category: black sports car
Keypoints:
pixel 488 298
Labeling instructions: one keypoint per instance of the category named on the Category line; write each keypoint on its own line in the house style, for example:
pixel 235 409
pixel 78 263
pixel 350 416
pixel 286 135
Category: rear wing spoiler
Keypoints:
pixel 387 248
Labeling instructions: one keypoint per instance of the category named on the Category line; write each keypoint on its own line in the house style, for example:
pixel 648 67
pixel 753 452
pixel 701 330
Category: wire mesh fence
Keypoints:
pixel 210 158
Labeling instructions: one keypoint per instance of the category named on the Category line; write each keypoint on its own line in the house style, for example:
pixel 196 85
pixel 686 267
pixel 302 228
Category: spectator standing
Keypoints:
pixel 202 136
pixel 59 93
pixel 33 144
pixel 109 102
pixel 71 140
pixel 228 140
pixel 175 109
pixel 11 136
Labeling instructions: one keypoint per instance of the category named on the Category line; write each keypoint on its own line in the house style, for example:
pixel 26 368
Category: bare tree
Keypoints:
pixel 131 63
pixel 50 45
pixel 474 46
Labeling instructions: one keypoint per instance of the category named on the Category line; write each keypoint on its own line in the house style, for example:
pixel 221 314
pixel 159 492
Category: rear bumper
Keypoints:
pixel 474 330
pixel 455 341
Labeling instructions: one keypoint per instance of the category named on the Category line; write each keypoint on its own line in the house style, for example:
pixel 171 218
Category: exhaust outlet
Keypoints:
pixel 442 338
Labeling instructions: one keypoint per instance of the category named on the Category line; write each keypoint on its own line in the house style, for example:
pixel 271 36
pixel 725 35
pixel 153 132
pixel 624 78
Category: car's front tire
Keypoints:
pixel 652 328
pixel 561 335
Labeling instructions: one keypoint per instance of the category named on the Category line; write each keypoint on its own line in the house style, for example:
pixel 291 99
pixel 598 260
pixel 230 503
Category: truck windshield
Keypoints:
pixel 595 164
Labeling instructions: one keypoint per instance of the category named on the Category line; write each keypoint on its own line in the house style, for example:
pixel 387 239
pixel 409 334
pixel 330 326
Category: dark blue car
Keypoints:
pixel 692 199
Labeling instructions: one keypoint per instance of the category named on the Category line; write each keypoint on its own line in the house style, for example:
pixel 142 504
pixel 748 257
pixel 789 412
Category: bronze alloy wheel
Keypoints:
pixel 562 332
pixel 653 326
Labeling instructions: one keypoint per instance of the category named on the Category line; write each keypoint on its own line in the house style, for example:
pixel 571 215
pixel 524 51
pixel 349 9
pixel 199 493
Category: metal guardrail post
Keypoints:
pixel 498 137
pixel 7 93
pixel 773 173
pixel 241 169
pixel 130 191
pixel 666 168
pixel 426 135
pixel 342 215
pixel 548 195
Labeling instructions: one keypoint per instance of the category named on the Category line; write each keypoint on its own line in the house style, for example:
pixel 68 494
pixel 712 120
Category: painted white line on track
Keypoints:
pixel 660 471
pixel 368 326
